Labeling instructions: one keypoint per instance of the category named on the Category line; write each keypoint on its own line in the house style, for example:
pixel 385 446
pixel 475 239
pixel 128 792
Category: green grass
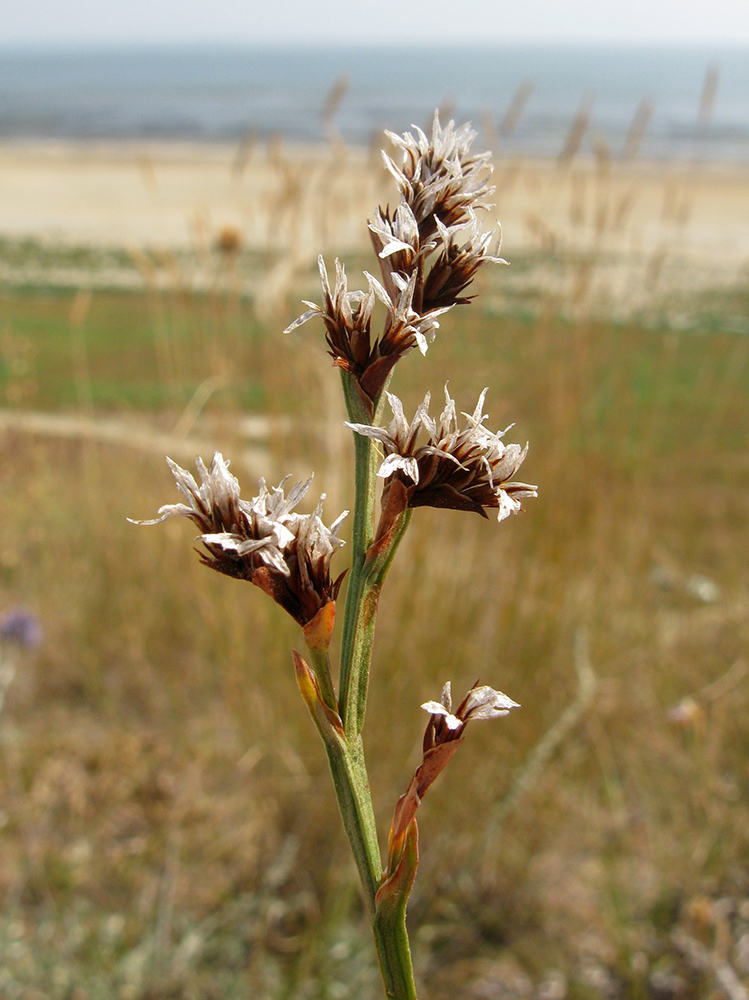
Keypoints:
pixel 168 830
pixel 129 351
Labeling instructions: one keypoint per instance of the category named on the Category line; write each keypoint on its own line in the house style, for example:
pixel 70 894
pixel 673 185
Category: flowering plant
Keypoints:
pixel 429 250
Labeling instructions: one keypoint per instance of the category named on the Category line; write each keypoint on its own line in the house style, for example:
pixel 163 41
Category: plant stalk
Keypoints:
pixel 361 607
pixel 391 936
pixel 355 804
pixel 394 956
pixel 349 777
pixel 346 756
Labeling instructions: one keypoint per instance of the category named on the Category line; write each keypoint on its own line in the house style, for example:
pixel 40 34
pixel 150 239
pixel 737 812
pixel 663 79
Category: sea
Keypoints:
pixel 547 101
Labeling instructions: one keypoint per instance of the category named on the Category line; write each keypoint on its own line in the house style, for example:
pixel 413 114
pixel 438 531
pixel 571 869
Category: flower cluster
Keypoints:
pixel 467 468
pixel 347 317
pixel 262 540
pixel 440 177
pixel 481 702
pixel 441 185
pixel 443 736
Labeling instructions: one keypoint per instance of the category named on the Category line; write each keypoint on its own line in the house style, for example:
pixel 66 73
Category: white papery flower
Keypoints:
pixel 399 234
pixel 481 702
pixel 439 176
pixel 263 540
pixel 468 468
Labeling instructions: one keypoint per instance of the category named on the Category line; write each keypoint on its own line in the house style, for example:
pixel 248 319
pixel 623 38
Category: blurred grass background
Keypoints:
pixel 167 829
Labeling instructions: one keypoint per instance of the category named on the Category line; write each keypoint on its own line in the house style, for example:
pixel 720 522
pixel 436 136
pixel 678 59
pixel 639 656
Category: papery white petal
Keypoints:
pixel 274 559
pixel 486 703
pixel 406 225
pixel 406 463
pixel 167 511
pixel 510 458
pixel 295 494
pixel 185 480
pixel 478 413
pixel 523 489
pixel 314 311
pixel 434 708
pixel 399 427
pixel 337 523
pixel 446 698
pixel 379 290
pixel 367 430
pixel 224 540
pixel 421 341
pixel 449 417
pixel 421 417
pixel 394 246
pixel 390 164
pixel 507 505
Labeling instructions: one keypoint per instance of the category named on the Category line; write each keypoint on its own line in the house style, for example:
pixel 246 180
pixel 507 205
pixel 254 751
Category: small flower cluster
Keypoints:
pixel 467 468
pixel 262 540
pixel 481 702
pixel 440 177
pixel 443 736
pixel 441 184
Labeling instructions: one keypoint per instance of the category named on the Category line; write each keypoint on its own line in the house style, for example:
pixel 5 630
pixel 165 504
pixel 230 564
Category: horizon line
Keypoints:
pixel 92 45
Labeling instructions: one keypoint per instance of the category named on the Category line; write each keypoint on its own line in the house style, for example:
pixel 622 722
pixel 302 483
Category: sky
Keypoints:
pixel 94 22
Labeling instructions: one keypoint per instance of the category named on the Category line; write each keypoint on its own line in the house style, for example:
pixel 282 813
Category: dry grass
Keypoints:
pixel 167 828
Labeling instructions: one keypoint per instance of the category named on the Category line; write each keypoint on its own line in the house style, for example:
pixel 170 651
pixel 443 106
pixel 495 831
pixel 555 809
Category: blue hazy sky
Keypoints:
pixel 72 22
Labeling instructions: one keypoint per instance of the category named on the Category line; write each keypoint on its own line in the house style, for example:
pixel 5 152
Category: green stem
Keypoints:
pixel 346 755
pixel 394 955
pixel 388 917
pixel 365 578
pixel 391 936
pixel 355 803
pixel 347 766
pixel 349 780
pixel 357 617
pixel 385 901
pixel 373 576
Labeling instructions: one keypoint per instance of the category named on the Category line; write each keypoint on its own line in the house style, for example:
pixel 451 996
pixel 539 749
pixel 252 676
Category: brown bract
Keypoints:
pixel 462 251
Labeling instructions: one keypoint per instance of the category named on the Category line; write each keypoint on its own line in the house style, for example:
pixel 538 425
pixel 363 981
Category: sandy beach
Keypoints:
pixel 685 224
pixel 161 194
